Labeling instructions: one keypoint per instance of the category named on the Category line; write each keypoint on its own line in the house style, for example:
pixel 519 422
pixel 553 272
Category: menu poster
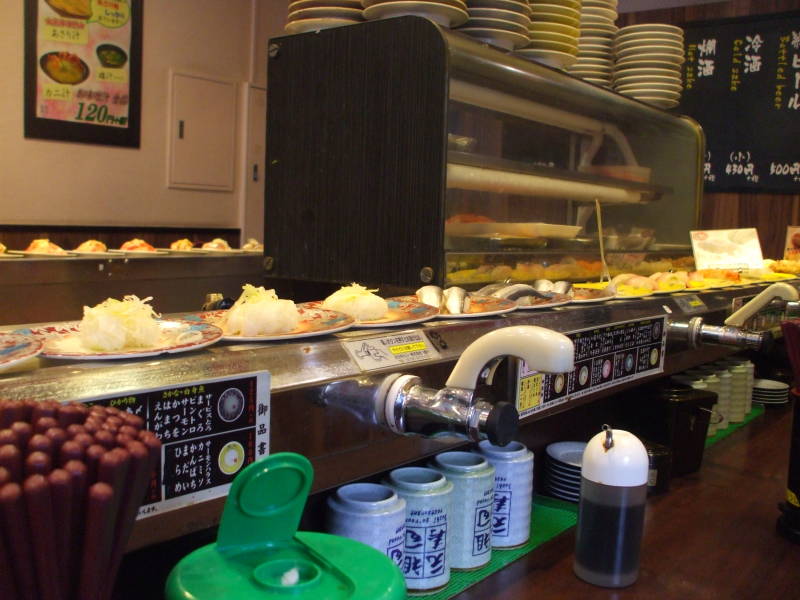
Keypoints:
pixel 727 249
pixel 742 84
pixel 792 246
pixel 83 61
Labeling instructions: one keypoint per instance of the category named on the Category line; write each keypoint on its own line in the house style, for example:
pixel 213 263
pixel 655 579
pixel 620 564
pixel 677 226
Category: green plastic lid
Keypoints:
pixel 260 554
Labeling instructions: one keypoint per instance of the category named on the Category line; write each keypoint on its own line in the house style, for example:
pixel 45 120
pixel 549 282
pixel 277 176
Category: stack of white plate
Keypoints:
pixel 769 391
pixel 648 63
pixel 562 477
pixel 595 47
pixel 554 32
pixel 501 23
pixel 313 15
pixel 447 13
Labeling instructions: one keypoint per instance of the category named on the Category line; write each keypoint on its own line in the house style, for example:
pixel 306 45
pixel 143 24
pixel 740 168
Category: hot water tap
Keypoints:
pixel 696 332
pixel 402 404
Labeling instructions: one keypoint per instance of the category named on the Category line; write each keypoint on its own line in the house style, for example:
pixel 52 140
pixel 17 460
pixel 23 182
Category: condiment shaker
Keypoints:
pixel 513 492
pixel 473 495
pixel 428 496
pixel 372 514
pixel 611 509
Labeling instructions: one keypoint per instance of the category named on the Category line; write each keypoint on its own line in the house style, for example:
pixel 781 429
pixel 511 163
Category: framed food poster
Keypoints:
pixel 83 70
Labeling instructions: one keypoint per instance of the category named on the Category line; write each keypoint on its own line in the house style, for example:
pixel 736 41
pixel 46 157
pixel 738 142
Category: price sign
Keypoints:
pixel 209 430
pixel 742 84
pixel 604 357
pixel 727 249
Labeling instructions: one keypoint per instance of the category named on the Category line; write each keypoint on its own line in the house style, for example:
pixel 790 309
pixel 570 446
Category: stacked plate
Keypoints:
pixel 595 47
pixel 501 23
pixel 313 15
pixel 648 63
pixel 554 32
pixel 447 13
pixel 769 391
pixel 562 477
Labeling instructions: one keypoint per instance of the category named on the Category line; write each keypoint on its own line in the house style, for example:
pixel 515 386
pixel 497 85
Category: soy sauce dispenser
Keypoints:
pixel 611 510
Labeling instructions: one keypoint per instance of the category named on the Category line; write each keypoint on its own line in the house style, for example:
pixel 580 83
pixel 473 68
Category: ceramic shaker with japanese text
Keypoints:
pixel 427 494
pixel 473 495
pixel 513 492
pixel 370 513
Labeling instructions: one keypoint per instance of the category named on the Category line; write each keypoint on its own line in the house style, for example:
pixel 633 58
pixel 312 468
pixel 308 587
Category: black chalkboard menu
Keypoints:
pixel 742 84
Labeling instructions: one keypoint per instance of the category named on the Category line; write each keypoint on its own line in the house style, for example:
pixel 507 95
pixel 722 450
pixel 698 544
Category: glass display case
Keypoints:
pixel 419 155
pixel 530 160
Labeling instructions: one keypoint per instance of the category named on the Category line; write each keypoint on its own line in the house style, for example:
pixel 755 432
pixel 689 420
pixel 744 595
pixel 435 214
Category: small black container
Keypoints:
pixel 675 416
pixel 660 471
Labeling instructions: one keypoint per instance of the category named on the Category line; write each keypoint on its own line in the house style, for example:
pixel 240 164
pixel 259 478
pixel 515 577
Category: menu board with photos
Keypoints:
pixel 742 84
pixel 83 70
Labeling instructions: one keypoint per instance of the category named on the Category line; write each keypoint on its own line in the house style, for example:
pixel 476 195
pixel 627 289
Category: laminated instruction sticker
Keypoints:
pixel 391 350
pixel 604 357
pixel 209 431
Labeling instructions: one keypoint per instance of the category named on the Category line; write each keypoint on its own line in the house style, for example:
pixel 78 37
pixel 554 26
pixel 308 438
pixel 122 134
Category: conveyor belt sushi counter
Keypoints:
pixel 223 406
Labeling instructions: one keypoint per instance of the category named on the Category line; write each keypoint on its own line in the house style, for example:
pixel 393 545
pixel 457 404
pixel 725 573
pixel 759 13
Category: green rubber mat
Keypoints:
pixel 548 518
pixel 756 411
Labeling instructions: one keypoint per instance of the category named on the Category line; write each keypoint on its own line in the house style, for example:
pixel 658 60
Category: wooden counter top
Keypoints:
pixel 711 536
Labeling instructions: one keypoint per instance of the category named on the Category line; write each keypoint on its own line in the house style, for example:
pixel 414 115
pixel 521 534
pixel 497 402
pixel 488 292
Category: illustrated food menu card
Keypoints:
pixel 83 67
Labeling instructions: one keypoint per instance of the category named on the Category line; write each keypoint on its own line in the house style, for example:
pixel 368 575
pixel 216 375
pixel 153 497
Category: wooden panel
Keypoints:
pixel 352 162
pixel 769 213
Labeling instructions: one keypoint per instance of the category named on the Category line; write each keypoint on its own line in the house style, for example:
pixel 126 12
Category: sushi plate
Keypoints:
pixel 216 251
pixel 62 340
pixel 626 293
pixel 10 255
pixel 16 347
pixel 671 290
pixel 66 254
pixel 480 306
pixel 556 300
pixel 483 306
pixel 599 287
pixel 563 477
pixel 567 452
pixel 139 252
pixel 402 311
pixel 314 321
pixel 561 495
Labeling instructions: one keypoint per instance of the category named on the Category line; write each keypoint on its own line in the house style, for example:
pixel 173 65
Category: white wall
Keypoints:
pixel 48 182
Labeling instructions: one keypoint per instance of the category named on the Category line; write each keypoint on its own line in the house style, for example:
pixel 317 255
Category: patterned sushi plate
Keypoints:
pixel 16 347
pixel 62 340
pixel 479 306
pixel 314 321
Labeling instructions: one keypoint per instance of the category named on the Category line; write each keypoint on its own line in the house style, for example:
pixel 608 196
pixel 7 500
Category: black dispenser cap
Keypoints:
pixel 502 423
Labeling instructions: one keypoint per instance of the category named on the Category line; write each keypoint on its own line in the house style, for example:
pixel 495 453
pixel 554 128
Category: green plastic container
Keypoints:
pixel 260 554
